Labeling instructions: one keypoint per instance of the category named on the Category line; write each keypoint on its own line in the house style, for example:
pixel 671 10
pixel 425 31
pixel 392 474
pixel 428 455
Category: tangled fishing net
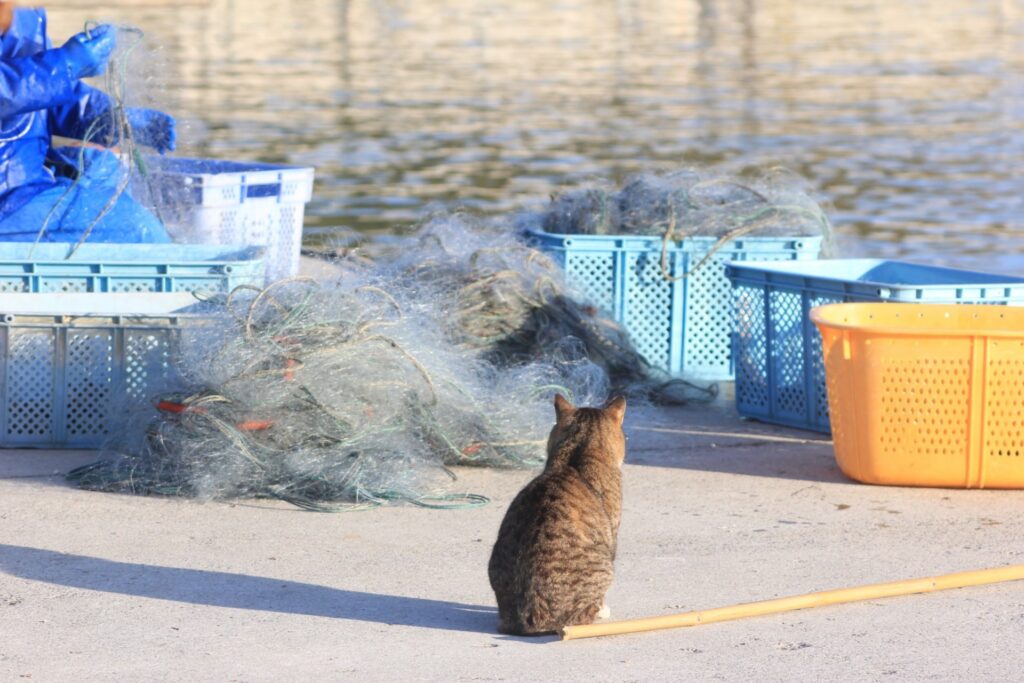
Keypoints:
pixel 510 303
pixel 689 203
pixel 108 153
pixel 351 393
pixel 318 394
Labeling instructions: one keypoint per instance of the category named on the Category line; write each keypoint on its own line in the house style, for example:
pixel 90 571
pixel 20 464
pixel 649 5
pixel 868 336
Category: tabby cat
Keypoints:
pixel 552 563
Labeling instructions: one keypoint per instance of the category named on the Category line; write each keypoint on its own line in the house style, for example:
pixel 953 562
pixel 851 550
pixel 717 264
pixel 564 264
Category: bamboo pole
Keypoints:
pixel 833 597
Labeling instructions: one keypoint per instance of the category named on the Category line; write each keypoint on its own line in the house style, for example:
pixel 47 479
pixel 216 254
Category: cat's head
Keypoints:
pixel 602 427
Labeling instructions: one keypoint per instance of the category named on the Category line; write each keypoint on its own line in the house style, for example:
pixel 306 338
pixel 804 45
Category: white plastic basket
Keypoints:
pixel 207 201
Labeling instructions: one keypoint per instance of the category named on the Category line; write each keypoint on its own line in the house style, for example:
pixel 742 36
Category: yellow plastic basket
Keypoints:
pixel 926 395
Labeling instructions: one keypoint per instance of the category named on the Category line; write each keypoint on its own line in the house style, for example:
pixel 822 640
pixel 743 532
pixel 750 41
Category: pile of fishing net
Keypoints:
pixel 444 351
pixel 690 203
pixel 510 302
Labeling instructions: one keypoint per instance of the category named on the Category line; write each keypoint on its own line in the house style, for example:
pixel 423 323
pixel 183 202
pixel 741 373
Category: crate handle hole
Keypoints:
pixel 266 190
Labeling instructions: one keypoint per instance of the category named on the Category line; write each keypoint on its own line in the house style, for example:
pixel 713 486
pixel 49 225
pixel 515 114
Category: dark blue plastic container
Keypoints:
pixel 780 376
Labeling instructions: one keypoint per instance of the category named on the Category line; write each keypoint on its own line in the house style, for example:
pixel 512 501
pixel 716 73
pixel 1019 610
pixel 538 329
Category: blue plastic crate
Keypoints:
pixel 74 366
pixel 780 376
pixel 127 267
pixel 211 201
pixel 681 326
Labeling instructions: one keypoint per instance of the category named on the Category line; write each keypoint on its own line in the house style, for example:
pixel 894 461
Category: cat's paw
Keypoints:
pixel 604 612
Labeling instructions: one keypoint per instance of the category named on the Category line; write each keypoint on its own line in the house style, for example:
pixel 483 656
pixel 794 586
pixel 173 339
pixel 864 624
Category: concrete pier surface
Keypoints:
pixel 717 511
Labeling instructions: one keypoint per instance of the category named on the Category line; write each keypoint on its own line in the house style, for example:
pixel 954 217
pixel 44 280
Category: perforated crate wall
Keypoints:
pixel 207 201
pixel 780 374
pixel 682 326
pixel 69 382
pixel 926 395
pixel 277 227
pixel 1004 408
pixel 51 268
pixel 779 370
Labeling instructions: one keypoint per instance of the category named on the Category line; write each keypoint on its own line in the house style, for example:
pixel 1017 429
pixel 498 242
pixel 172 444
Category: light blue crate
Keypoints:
pixel 127 267
pixel 780 375
pixel 682 326
pixel 212 201
pixel 74 366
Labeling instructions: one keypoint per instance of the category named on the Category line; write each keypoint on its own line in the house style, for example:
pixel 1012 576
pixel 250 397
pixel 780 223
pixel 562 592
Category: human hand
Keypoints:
pixel 87 54
pixel 153 128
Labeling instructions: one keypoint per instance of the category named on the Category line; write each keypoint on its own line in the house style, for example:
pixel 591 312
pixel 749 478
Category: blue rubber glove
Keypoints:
pixel 87 55
pixel 153 128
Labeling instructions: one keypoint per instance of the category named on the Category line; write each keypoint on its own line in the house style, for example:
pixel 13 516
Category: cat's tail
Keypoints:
pixel 520 630
pixel 583 615
pixel 518 624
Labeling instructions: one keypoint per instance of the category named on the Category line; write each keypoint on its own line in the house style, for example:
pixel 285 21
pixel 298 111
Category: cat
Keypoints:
pixel 552 562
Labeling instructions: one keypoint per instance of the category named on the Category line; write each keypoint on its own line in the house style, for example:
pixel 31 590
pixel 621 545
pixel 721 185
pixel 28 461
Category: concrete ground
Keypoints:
pixel 717 511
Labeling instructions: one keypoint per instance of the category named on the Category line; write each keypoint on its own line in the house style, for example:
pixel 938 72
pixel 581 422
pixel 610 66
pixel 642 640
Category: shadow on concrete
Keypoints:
pixel 241 591
pixel 42 466
pixel 803 457
pixel 534 640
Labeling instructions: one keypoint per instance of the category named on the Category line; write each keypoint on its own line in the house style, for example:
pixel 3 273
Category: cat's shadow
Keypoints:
pixel 241 591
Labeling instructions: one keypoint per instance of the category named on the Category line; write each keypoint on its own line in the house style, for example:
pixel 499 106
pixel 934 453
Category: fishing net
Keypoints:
pixel 108 162
pixel 688 203
pixel 350 393
pixel 510 302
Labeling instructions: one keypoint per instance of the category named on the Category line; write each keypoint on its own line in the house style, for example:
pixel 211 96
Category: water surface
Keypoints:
pixel 905 116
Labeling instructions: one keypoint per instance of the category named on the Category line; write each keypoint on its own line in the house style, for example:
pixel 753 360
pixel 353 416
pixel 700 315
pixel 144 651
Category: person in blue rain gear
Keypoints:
pixel 42 95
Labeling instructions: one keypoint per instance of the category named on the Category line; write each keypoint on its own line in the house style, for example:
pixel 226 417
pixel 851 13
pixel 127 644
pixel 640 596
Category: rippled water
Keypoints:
pixel 906 116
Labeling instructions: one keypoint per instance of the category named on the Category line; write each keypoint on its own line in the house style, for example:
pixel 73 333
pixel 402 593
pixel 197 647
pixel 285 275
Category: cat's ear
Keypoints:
pixel 617 409
pixel 563 409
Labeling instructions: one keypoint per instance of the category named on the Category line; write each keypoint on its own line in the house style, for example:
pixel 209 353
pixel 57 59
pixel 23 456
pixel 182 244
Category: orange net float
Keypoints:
pixel 180 408
pixel 177 408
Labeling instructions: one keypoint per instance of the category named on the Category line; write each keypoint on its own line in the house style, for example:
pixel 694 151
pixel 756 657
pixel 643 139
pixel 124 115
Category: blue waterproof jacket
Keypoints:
pixel 40 97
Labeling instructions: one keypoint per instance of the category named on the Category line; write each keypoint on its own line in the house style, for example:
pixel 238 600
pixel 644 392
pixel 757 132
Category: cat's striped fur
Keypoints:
pixel 552 562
